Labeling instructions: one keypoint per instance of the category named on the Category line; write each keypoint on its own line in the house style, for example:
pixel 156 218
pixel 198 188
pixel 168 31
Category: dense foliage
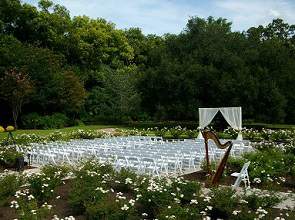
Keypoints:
pixel 87 69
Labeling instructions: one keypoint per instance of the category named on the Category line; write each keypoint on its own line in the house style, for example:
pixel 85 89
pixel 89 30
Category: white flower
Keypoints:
pixel 194 201
pixel 30 197
pixel 209 207
pixel 257 180
pixel 132 202
pixel 124 207
pixel 128 181
pixel 207 199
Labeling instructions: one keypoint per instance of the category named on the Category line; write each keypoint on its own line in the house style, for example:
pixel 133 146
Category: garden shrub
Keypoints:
pixel 43 185
pixel 35 121
pixel 160 131
pixel 178 212
pixel 9 184
pixel 177 131
pixel 186 190
pixel 191 133
pixel 234 164
pixel 255 198
pixel 8 156
pixel 85 134
pixel 32 121
pixel 228 133
pixel 97 191
pixel 111 208
pixel 270 166
pixel 28 208
pixel 223 202
pixel 87 187
pixel 266 165
pixel 125 179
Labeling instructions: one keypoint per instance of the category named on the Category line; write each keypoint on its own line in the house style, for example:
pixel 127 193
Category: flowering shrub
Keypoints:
pixel 24 139
pixel 27 206
pixel 91 178
pixel 179 212
pixel 160 131
pixel 191 133
pixel 270 166
pixel 8 156
pixel 220 203
pixel 84 134
pixel 43 185
pixel 124 180
pixel 256 198
pixel 177 131
pixel 229 133
pixel 9 184
pixel 97 191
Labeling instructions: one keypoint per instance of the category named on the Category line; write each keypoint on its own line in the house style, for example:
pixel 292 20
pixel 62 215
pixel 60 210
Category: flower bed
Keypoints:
pixel 277 136
pixel 96 191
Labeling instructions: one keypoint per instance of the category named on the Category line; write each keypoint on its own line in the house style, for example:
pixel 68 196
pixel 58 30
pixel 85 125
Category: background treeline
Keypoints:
pixel 86 69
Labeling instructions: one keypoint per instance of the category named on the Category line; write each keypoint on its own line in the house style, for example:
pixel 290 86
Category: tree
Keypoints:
pixel 15 88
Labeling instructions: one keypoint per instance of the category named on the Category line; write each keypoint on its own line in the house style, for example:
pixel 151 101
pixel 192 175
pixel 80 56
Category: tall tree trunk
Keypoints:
pixel 14 115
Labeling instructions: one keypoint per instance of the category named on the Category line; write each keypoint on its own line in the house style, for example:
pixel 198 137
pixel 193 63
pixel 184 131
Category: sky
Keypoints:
pixel 170 16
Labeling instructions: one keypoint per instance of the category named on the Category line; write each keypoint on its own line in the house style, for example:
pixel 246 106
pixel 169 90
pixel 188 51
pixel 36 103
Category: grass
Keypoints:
pixel 68 129
pixel 270 126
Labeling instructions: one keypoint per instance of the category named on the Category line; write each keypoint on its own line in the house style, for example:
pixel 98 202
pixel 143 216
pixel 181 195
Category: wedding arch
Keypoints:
pixel 233 116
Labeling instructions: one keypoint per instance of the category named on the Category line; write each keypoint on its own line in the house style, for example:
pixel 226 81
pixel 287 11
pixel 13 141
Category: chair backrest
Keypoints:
pixel 245 167
pixel 241 174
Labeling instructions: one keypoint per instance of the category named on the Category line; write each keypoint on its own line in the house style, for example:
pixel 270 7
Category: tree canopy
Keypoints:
pixel 88 69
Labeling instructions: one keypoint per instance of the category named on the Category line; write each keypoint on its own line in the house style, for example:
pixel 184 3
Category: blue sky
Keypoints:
pixel 170 16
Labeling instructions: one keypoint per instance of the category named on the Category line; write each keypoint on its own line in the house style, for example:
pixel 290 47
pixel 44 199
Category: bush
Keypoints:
pixel 8 156
pixel 27 207
pixel 256 198
pixel 178 212
pixel 177 131
pixel 271 167
pixel 35 121
pixel 223 202
pixel 9 184
pixel 85 134
pixel 87 188
pixel 43 185
pixel 124 180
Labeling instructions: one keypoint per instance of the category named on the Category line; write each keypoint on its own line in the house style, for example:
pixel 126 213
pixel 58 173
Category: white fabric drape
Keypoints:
pixel 206 115
pixel 233 116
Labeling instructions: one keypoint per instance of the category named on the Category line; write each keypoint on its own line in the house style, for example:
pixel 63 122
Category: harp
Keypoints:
pixel 211 135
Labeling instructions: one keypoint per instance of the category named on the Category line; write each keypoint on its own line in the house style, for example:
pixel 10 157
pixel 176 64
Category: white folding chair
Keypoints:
pixel 242 176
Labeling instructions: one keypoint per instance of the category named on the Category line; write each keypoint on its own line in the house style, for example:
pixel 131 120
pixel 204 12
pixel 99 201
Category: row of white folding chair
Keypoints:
pixel 173 162
pixel 41 157
pixel 141 165
pixel 172 159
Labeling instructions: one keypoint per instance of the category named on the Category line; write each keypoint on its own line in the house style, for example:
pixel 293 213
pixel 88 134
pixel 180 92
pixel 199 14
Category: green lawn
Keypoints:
pixel 270 126
pixel 68 129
